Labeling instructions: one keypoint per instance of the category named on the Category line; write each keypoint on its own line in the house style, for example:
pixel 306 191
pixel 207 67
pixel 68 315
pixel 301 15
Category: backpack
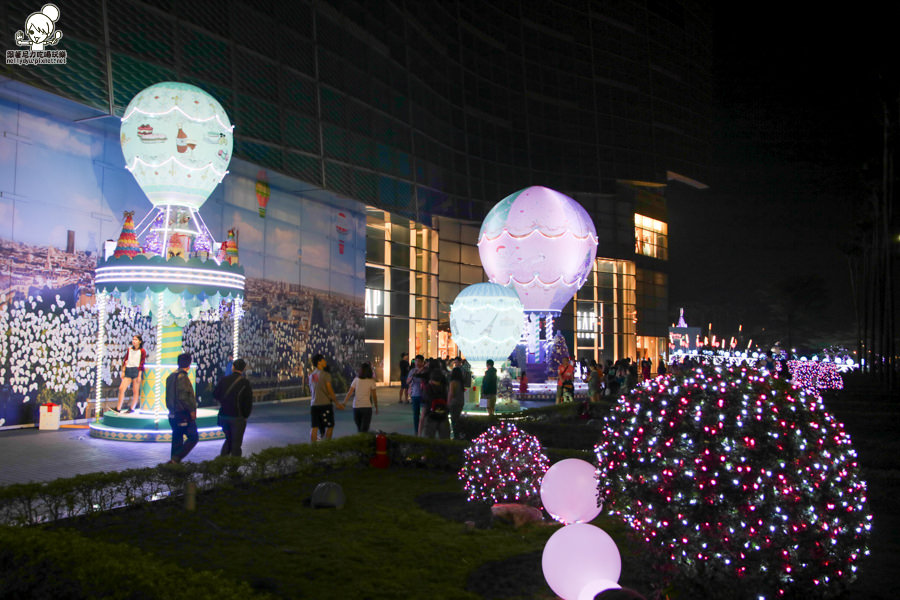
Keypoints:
pixel 172 390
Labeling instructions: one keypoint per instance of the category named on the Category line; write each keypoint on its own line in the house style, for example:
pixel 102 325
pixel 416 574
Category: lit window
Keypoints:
pixel 651 237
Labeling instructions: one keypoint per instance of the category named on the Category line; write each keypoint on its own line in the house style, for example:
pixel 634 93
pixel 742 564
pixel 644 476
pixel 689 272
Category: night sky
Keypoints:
pixel 796 141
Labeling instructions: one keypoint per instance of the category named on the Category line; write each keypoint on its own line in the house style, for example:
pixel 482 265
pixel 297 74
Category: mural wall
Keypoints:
pixel 63 189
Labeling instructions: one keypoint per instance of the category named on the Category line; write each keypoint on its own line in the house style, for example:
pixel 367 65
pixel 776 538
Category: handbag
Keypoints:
pixel 438 412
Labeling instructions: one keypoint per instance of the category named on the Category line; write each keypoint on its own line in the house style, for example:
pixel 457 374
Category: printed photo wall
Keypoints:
pixel 64 190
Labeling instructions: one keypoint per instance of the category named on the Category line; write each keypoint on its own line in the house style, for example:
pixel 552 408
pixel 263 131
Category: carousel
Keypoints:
pixel 177 142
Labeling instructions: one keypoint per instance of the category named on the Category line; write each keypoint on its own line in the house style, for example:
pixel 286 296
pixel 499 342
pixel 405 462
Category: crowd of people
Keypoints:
pixel 605 378
pixel 435 391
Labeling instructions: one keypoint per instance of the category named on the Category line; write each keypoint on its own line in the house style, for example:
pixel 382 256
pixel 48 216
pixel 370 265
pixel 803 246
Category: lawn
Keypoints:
pixel 401 534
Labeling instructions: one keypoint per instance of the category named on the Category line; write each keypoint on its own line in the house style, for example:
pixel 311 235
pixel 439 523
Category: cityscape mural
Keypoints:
pixel 64 190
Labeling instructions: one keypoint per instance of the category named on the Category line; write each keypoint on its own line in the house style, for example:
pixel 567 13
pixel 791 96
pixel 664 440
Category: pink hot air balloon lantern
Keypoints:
pixel 541 243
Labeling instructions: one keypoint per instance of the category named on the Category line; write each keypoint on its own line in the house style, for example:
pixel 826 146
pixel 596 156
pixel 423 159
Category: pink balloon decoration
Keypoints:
pixel 569 491
pixel 578 555
pixel 589 591
pixel 541 243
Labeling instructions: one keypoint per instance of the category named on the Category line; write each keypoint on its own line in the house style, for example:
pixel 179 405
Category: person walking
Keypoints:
pixel 456 397
pixel 646 368
pixel 565 383
pixel 365 397
pixel 132 373
pixel 416 381
pixel 435 417
pixel 235 398
pixel 182 405
pixel 631 378
pixel 404 384
pixel 594 379
pixel 322 401
pixel 489 387
pixel 661 366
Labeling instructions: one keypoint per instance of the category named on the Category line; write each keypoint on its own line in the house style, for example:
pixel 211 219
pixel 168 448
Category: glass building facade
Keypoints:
pixel 420 108
pixel 401 291
pixel 428 112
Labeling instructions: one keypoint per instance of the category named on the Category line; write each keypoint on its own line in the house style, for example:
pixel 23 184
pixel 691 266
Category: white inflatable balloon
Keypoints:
pixel 569 491
pixel 577 555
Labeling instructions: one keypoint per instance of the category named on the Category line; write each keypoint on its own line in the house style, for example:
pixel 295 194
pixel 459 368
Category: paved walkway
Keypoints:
pixel 33 455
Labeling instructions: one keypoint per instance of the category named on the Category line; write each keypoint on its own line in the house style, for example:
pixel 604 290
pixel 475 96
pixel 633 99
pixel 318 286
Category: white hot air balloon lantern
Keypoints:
pixel 486 323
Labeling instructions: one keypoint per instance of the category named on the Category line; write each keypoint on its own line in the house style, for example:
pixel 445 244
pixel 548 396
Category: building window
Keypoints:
pixel 401 291
pixel 651 237
pixel 605 311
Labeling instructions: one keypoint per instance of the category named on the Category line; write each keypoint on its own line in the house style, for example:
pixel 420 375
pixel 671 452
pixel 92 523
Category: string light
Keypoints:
pixel 537 280
pixel 160 310
pixel 238 313
pixel 814 375
pixel 168 274
pixel 519 237
pixel 101 349
pixel 145 113
pixel 138 161
pixel 503 464
pixel 735 474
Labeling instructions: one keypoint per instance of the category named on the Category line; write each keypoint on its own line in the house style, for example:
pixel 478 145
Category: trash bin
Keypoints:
pixel 49 416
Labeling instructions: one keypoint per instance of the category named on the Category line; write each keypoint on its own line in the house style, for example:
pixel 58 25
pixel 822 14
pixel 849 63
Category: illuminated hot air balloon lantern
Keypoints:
pixel 262 193
pixel 342 228
pixel 486 323
pixel 177 142
pixel 542 244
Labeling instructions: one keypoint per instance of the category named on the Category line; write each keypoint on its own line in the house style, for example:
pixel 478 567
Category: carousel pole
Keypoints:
pixel 238 310
pixel 159 353
pixel 101 352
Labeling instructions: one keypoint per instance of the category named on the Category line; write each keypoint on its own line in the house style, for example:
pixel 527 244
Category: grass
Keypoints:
pixel 381 544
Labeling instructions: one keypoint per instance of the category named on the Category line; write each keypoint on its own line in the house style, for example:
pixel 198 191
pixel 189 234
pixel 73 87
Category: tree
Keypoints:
pixel 558 349
pixel 734 475
pixel 504 464
pixel 794 304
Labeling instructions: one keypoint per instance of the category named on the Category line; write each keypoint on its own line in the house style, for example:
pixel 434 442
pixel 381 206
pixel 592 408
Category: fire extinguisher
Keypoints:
pixel 381 460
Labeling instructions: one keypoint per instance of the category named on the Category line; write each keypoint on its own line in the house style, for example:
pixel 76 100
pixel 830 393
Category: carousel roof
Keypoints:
pixel 177 275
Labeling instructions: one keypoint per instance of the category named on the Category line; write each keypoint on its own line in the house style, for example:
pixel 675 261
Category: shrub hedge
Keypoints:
pixel 34 503
pixel 64 565
pixel 42 502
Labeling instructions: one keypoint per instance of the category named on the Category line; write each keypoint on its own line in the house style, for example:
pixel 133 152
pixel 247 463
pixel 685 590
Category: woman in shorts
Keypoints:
pixel 365 399
pixel 132 373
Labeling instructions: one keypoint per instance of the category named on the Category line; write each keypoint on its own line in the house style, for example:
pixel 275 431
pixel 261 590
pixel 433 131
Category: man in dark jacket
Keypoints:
pixel 182 405
pixel 489 387
pixel 235 398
